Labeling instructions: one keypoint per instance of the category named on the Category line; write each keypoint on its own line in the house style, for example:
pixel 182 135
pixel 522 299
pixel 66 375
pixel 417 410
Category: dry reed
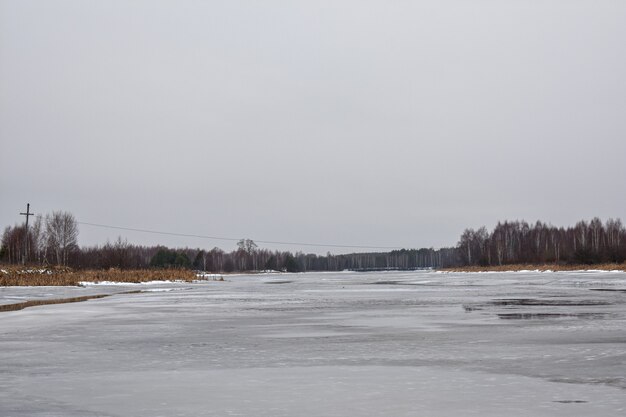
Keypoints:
pixel 37 276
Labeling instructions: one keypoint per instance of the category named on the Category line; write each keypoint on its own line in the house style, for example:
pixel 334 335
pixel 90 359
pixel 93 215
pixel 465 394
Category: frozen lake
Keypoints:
pixel 322 344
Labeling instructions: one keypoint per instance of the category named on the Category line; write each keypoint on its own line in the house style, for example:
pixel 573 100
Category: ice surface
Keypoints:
pixel 345 344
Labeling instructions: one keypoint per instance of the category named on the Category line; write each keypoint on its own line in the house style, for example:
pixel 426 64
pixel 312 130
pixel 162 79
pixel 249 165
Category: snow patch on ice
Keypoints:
pixel 536 271
pixel 208 275
pixel 89 284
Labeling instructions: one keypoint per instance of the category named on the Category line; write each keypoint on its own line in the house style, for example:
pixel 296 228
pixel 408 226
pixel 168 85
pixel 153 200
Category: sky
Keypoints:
pixel 368 123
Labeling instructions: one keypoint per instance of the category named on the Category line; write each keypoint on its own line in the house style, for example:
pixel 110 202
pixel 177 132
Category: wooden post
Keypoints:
pixel 27 214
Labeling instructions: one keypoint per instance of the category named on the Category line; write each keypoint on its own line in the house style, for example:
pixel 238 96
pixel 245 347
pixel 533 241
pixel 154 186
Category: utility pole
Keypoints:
pixel 27 214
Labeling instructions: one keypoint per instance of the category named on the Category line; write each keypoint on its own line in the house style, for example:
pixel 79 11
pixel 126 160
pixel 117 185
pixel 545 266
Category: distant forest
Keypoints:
pixel 519 242
pixel 53 240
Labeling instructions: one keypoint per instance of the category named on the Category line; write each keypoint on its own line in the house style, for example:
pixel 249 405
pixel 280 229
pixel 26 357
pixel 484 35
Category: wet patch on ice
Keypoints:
pixel 529 306
pixel 310 335
pixel 619 382
pixel 534 316
pixel 545 303
pixel 278 282
pixel 534 302
pixel 570 401
pixel 408 283
pixel 473 307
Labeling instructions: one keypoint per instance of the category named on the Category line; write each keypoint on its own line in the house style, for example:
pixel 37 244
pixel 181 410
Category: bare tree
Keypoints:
pixel 62 235
pixel 247 251
pixel 13 243
pixel 38 239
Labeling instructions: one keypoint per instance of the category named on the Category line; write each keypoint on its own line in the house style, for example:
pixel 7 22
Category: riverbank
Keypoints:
pixel 37 276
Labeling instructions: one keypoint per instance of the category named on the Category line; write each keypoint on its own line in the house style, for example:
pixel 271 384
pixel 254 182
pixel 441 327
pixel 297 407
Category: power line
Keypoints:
pixel 230 239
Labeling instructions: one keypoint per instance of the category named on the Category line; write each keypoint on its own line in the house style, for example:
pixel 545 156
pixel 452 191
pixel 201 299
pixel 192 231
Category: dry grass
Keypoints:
pixel 544 267
pixel 37 276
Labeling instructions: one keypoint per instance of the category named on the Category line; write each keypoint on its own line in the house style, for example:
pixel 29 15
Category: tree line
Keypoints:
pixel 53 240
pixel 519 242
pixel 248 257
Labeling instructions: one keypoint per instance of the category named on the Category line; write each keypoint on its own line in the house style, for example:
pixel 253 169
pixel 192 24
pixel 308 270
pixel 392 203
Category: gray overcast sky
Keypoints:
pixel 391 123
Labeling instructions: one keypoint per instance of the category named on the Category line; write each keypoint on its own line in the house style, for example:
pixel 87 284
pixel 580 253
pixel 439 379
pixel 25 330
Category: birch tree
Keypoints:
pixel 62 235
